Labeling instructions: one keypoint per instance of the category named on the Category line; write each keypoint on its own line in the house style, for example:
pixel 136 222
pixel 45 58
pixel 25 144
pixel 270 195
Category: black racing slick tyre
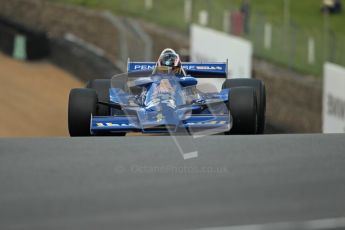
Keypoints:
pixel 260 91
pixel 81 105
pixel 243 109
pixel 102 86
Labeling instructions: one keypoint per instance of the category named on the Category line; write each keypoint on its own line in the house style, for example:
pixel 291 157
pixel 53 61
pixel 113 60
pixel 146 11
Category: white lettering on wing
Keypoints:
pixel 144 67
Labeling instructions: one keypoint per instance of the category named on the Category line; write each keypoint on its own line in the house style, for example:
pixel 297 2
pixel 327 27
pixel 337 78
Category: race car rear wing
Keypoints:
pixel 197 70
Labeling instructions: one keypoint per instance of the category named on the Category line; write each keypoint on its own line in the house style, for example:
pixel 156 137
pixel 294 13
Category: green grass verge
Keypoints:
pixel 306 21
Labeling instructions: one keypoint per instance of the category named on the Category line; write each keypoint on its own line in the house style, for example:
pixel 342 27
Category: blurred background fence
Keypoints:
pixel 279 38
pixel 294 47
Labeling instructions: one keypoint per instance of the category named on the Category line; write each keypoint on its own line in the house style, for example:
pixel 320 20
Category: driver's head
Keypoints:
pixel 169 58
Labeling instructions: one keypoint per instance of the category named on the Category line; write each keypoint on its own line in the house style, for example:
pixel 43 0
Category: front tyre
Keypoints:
pixel 243 109
pixel 260 91
pixel 102 86
pixel 81 105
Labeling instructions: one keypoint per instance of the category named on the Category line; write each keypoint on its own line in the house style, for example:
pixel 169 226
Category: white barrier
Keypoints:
pixel 188 10
pixel 203 18
pixel 268 36
pixel 148 4
pixel 334 99
pixel 211 45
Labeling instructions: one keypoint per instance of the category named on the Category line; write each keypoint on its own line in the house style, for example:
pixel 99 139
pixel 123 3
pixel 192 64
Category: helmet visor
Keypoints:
pixel 169 59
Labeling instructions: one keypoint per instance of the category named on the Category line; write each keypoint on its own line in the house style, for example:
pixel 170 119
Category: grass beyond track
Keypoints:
pixel 289 47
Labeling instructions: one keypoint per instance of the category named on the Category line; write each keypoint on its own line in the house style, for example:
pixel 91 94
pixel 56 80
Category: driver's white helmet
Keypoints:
pixel 169 58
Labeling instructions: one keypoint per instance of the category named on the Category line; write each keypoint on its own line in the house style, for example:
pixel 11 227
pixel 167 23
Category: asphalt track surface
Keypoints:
pixel 144 182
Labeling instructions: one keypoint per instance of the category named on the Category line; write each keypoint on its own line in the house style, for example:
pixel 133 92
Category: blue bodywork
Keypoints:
pixel 164 103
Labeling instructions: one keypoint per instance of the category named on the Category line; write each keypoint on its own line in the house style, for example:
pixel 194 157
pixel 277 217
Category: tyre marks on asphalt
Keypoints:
pixel 321 224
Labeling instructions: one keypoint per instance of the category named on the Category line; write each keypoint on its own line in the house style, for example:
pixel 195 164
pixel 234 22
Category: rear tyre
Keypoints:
pixel 102 86
pixel 260 91
pixel 243 109
pixel 81 105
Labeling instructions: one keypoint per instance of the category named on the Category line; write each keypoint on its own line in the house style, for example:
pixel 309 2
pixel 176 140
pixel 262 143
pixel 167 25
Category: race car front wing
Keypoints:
pixel 195 123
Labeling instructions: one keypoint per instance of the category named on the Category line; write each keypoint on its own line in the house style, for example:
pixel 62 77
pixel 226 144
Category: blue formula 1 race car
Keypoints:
pixel 157 98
